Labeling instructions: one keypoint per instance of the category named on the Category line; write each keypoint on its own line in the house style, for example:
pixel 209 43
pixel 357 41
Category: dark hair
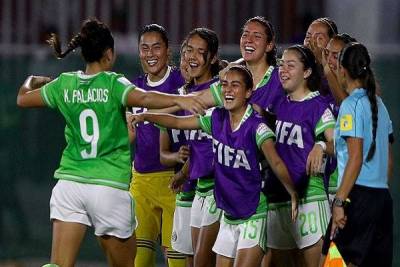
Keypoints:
pixel 245 73
pixel 309 62
pixel 94 38
pixel 155 28
pixel 344 38
pixel 331 25
pixel 356 60
pixel 270 32
pixel 211 39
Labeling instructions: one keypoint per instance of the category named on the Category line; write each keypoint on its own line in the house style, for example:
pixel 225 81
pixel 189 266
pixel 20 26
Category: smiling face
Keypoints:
pixel 234 91
pixel 332 53
pixel 254 42
pixel 184 65
pixel 198 58
pixel 153 54
pixel 291 71
pixel 319 31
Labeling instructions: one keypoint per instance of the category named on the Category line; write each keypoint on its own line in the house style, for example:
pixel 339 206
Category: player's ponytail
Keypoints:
pixel 94 39
pixel 55 43
pixel 356 60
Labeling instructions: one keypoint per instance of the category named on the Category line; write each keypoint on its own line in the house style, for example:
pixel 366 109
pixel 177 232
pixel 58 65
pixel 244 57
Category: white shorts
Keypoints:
pixel 248 234
pixel 109 210
pixel 181 239
pixel 310 226
pixel 204 211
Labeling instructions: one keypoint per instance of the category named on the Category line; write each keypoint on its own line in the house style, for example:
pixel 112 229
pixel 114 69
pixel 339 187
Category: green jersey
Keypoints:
pixel 98 150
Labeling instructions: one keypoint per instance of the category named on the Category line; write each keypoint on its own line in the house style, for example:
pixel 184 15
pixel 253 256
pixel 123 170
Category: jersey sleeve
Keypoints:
pixel 350 120
pixel 205 121
pixel 49 92
pixel 216 91
pixel 263 132
pixel 326 121
pixel 161 128
pixel 121 88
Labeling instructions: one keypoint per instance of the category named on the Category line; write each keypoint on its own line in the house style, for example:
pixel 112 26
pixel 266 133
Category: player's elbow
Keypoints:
pixel 21 102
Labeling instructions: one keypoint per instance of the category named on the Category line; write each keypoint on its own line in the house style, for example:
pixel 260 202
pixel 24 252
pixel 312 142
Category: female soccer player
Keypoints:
pixel 202 58
pixel 330 63
pixel 155 202
pixel 241 238
pixel 362 138
pixel 174 152
pixel 318 35
pixel 94 173
pixel 304 131
pixel 258 49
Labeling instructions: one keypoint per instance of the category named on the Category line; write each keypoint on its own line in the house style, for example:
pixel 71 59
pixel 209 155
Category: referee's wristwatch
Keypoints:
pixel 338 202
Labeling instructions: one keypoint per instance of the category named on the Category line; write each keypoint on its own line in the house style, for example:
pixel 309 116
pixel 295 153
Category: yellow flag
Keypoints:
pixel 333 258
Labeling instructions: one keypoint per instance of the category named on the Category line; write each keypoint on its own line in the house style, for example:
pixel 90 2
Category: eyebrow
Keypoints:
pixel 288 61
pixel 150 44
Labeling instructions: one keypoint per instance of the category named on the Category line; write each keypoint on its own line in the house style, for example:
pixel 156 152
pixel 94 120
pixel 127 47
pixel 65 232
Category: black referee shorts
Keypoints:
pixel 367 238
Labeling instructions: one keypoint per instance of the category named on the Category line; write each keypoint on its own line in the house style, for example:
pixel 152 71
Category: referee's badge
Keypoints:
pixel 346 122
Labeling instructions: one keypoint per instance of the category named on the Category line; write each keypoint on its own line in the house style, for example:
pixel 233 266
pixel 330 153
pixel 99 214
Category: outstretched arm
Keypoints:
pixel 157 100
pixel 169 121
pixel 29 92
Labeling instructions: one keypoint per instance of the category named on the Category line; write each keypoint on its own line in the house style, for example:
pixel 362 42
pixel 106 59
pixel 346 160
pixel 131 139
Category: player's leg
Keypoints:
pixel 144 190
pixel 67 238
pixel 252 241
pixel 70 220
pixel 112 212
pixel 181 239
pixel 223 261
pixel 267 259
pixel 166 201
pixel 311 255
pixel 311 227
pixel 249 257
pixel 280 242
pixel 119 252
pixel 209 227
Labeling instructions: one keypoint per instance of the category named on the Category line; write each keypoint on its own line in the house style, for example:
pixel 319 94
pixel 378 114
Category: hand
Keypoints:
pixel 338 220
pixel 315 44
pixel 129 121
pixel 324 57
pixel 177 182
pixel 183 154
pixel 328 71
pixel 191 103
pixel 295 204
pixel 314 160
pixel 134 119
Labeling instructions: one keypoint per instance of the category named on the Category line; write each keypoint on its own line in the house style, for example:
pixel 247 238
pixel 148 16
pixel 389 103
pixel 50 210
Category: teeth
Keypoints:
pixel 152 62
pixel 193 65
pixel 249 49
pixel 229 98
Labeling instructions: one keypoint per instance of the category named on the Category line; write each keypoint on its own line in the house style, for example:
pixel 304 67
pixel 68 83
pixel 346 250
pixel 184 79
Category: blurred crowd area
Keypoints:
pixel 26 24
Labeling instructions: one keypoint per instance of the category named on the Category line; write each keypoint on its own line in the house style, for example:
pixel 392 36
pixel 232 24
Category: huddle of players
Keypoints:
pixel 221 205
pixel 252 173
